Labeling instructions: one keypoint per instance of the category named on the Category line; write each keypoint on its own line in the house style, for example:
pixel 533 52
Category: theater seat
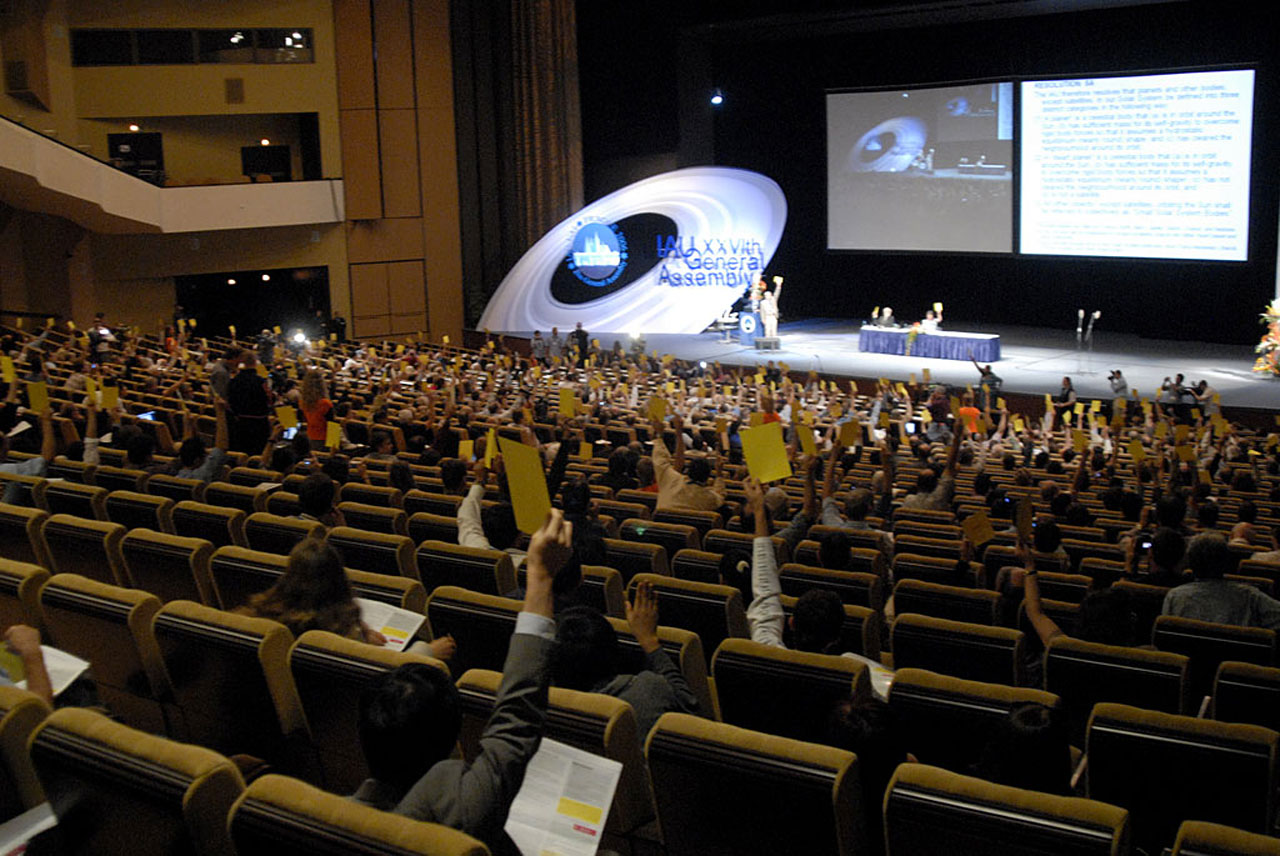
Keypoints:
pixel 269 533
pixel 88 547
pixel 286 817
pixel 20 538
pixel 1244 692
pixel 685 650
pixel 481 624
pixel 948 721
pixel 861 631
pixel 971 651
pixel 595 723
pixel 239 573
pixel 121 478
pixel 634 557
pixel 714 612
pixel 782 692
pixel 219 525
pixel 169 566
pixel 934 569
pixel 429 526
pixel 179 490
pixel 974 605
pixel 230 677
pixel 1197 838
pixel 374 551
pixel 65 497
pixel 117 790
pixel 933 812
pixel 385 588
pixel 367 494
pixel 374 518
pixel 1166 769
pixel 140 510
pixel 1209 645
pixel 727 542
pixel 443 504
pixel 486 571
pixel 853 587
pixel 721 790
pixel 703 521
pixel 672 537
pixel 247 499
pixel 20 713
pixel 698 566
pixel 20 584
pixel 111 628
pixel 330 672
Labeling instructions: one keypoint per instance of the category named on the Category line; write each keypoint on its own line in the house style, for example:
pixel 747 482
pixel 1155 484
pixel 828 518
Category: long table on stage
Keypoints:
pixel 943 344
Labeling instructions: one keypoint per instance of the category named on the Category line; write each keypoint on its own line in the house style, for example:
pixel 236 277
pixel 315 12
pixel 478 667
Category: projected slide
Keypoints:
pixel 1143 167
pixel 921 169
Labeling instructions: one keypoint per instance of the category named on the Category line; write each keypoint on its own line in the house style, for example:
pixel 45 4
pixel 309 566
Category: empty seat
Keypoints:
pixel 179 490
pixel 20 584
pixel 374 518
pixel 593 722
pixel 283 504
pixel 920 545
pixel 65 468
pixel 703 521
pixel 1147 602
pixel 247 499
pixel 977 606
pixel 859 589
pixel 1244 692
pixel 729 543
pixel 67 497
pixel 1197 838
pixel 481 624
pixel 220 525
pixel 134 510
pixel 120 478
pixel 330 672
pixel 714 612
pixel 721 790
pixel 1209 645
pixel 947 722
pixel 622 510
pixel 110 627
pixel 971 651
pixel 117 790
pixel 368 494
pixel 252 477
pixel 443 564
pixel 20 538
pixel 385 588
pixel 777 691
pixel 286 817
pixel 931 812
pixel 933 569
pixel 238 573
pixel 698 566
pixel 374 551
pixel 428 526
pixel 1166 769
pixel 269 533
pixel 169 566
pixel 88 547
pixel 230 677
pixel 442 504
pixel 672 537
pixel 1085 673
pixel 20 713
pixel 633 557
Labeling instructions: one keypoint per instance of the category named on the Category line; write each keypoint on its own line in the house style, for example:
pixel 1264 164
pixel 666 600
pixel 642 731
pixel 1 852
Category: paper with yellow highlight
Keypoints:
pixel 564 801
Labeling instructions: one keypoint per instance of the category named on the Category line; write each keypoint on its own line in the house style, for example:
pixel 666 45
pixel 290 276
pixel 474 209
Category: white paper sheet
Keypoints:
pixel 398 625
pixel 564 802
pixel 63 668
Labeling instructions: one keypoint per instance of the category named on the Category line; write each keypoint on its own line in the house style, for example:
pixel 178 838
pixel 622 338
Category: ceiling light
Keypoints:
pixel 717 97
pixel 266 277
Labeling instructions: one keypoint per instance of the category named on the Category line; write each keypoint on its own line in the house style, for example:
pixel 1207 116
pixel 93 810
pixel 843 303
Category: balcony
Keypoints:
pixel 41 174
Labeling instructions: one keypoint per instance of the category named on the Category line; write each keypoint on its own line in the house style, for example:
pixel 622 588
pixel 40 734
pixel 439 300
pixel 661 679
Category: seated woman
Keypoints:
pixel 314 594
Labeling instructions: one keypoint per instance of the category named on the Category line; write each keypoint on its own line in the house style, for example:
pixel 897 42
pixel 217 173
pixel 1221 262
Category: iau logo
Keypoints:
pixel 598 255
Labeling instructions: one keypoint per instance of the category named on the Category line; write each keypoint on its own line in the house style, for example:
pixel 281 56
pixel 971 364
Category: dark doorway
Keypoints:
pixel 141 154
pixel 275 161
pixel 288 298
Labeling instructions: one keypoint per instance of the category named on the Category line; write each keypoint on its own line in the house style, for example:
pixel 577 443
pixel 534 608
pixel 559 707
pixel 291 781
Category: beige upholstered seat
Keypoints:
pixel 68 497
pixel 179 490
pixel 20 713
pixel 238 573
pixel 933 812
pixel 367 494
pixel 429 526
pixel 635 557
pixel 1209 645
pixel 247 499
pixel 861 632
pixel 270 533
pixel 720 789
pixel 135 510
pixel 20 584
pixel 971 651
pixel 374 551
pixel 714 612
pixel 121 791
pixel 957 603
pixel 218 524
pixel 1244 692
pixel 169 566
pixel 374 518
pixel 88 547
pixel 397 591
pixel 481 624
pixel 286 817
pixel 853 587
pixel 1197 838
pixel 484 571
pixel 672 537
pixel 20 538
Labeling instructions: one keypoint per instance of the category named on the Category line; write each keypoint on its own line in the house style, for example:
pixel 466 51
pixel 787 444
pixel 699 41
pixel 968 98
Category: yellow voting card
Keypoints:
pixel 885 421
pixel 755 419
pixel 657 409
pixel 850 434
pixel 528 484
pixel 287 416
pixel 466 449
pixel 490 446
pixel 807 445
pixel 568 403
pixel 586 449
pixel 977 528
pixel 1137 451
pixel 37 396
pixel 722 425
pixel 765 453
pixel 332 435
pixel 110 397
pixel 1079 440
pixel 1186 454
pixel 928 378
pixel 1018 425
pixel 7 369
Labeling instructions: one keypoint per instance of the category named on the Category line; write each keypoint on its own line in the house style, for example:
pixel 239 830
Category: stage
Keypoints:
pixel 1034 359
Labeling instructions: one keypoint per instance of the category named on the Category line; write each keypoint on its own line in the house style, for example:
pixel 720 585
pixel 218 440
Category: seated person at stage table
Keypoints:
pixel 410 717
pixel 885 318
pixel 681 484
pixel 932 321
pixel 1212 598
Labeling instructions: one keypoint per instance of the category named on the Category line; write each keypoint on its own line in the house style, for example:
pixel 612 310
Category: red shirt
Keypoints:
pixel 317 421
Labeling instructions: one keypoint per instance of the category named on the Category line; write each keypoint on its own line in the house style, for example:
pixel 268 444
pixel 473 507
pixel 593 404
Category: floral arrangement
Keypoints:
pixel 1268 349
pixel 911 336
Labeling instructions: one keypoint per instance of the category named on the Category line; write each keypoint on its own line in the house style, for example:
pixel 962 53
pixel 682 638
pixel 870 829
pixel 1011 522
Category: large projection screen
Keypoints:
pixel 1152 166
pixel 921 169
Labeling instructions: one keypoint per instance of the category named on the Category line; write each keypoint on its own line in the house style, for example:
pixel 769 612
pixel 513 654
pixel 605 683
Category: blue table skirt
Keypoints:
pixel 955 346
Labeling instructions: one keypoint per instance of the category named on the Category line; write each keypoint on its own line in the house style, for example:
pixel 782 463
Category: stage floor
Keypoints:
pixel 1034 360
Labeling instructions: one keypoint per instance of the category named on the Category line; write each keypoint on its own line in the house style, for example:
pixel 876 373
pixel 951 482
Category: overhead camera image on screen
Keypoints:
pixel 921 169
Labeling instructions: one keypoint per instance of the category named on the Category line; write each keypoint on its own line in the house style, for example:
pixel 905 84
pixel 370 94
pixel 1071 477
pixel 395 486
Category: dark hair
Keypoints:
pixel 1208 556
pixel 139 449
pixel 1247 512
pixel 1167 548
pixel 587 654
pixel 499 524
pixel 1078 514
pixel 1028 750
pixel 982 483
pixel 698 470
pixel 409 720
pixel 620 462
pixel 1046 537
pixel 316 494
pixel 833 551
pixel 282 458
pixel 869 729
pixel 312 594
pixel 379 438
pixel 338 468
pixel 819 617
pixel 1207 514
pixel 926 481
pixel 1107 617
pixel 1130 505
pixel 191 451
pixel 1171 510
pixel 453 472
pixel 400 476
pixel 858 504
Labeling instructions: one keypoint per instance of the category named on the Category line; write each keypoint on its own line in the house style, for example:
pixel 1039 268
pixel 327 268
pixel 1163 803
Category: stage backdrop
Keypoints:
pixel 668 254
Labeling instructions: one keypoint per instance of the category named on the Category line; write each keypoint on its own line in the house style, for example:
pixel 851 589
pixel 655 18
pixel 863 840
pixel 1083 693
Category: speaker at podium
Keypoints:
pixel 749 327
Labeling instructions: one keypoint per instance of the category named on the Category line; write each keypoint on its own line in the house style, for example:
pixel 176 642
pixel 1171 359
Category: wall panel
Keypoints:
pixel 398 139
pixel 360 164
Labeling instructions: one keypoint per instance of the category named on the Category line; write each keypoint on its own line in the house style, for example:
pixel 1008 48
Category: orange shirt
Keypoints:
pixel 970 416
pixel 317 419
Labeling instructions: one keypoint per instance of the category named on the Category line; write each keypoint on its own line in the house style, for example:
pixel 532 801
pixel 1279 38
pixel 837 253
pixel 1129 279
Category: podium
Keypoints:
pixel 749 327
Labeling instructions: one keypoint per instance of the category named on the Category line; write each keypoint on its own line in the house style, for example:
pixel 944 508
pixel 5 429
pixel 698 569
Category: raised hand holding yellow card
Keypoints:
pixel 528 483
pixel 287 416
pixel 490 446
pixel 466 449
pixel 977 528
pixel 568 402
pixel 657 409
pixel 850 434
pixel 332 435
pixel 110 397
pixel 37 396
pixel 807 445
pixel 1137 451
pixel 7 370
pixel 765 453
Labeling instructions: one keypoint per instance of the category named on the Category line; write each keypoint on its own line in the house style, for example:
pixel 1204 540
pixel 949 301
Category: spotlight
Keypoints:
pixel 231 282
pixel 300 337
pixel 297 35
pixel 265 141
pixel 717 97
pixel 266 277
pixel 702 364
pixel 134 128
pixel 237 38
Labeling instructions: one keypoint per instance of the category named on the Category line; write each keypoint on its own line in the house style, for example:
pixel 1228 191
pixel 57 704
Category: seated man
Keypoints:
pixel 681 485
pixel 197 462
pixel 490 527
pixel 860 502
pixel 317 500
pixel 1212 598
pixel 587 661
pixel 934 492
pixel 410 717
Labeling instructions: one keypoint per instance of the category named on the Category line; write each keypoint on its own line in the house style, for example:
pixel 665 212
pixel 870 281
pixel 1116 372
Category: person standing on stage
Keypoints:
pixel 580 340
pixel 1119 386
pixel 769 309
pixel 1065 399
